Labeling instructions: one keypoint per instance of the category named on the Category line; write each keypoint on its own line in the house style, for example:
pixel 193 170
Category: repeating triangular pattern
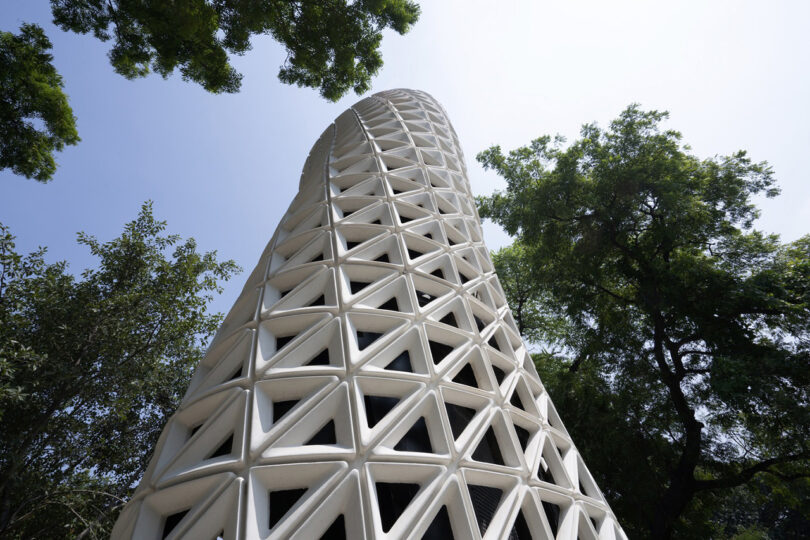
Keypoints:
pixel 370 381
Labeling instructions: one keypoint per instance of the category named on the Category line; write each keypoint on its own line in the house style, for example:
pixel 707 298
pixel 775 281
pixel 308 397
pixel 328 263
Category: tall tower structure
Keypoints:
pixel 370 381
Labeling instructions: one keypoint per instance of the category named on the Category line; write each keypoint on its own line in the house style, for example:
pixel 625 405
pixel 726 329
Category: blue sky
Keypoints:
pixel 733 74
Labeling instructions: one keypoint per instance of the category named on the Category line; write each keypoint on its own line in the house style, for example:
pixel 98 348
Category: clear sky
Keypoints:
pixel 733 74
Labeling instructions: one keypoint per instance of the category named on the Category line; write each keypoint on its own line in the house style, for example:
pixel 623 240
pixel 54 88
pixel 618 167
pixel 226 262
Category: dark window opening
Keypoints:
pixel 351 245
pixel 466 376
pixel 449 319
pixel 523 436
pixel 440 528
pixel 479 323
pixel 438 273
pixel 499 373
pixel 459 416
pixel 424 298
pixel 224 449
pixel 326 435
pixel 413 254
pixel 336 531
pixel 393 499
pixel 488 449
pixel 281 341
pixel 318 301
pixel 364 339
pixel 516 401
pixel 320 359
pixel 357 286
pixel 237 373
pixel 318 257
pixel 173 521
pixel 544 472
pixel 376 222
pixel 401 363
pixel 464 279
pixel 485 502
pixel 404 219
pixel 391 304
pixel 439 351
pixel 195 429
pixel 347 213
pixel 428 235
pixel 383 258
pixel 280 408
pixel 281 501
pixel 494 343
pixel 553 515
pixel 520 530
pixel 377 407
pixel 417 439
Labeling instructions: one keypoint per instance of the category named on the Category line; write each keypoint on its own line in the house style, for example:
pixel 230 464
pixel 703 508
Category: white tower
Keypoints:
pixel 370 382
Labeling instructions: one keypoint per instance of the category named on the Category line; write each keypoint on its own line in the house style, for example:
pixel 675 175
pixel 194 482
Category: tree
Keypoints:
pixel 91 367
pixel 35 117
pixel 673 298
pixel 332 45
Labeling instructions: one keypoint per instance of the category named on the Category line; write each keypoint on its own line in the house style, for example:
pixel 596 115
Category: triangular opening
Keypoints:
pixel 413 254
pixel 280 408
pixel 318 257
pixel 485 502
pixel 383 258
pixel 438 273
pixel 488 449
pixel 449 319
pixel 553 515
pixel 440 528
pixel 516 401
pixel 195 429
pixel 281 501
pixel 466 376
pixel 401 363
pixel 499 373
pixel 461 277
pixel 391 304
pixel 459 416
pixel 281 341
pixel 522 435
pixel 364 339
pixel 494 343
pixel 417 439
pixel 320 359
pixel 438 351
pixel 392 500
pixel 424 298
pixel 520 529
pixel 236 374
pixel 377 407
pixel 318 301
pixel 224 449
pixel 351 245
pixel 173 521
pixel 326 435
pixel 357 286
pixel 337 530
pixel 544 473
pixel 479 323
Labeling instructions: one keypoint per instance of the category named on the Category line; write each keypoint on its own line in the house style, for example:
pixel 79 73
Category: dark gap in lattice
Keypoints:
pixel 582 490
pixel 326 435
pixel 281 501
pixel 236 374
pixel 351 245
pixel 357 286
pixel 195 429
pixel 593 522
pixel 404 219
pixel 494 343
pixel 488 449
pixel 396 191
pixel 479 323
pixel 401 363
pixel 347 213
pixel 383 258
pixel 320 359
pixel 318 301
pixel 499 373
pixel 224 449
pixel 392 500
pixel 440 528
pixel 438 273
pixel 280 408
pixel 173 521
pixel 318 257
pixel 391 304
pixel 544 473
pixel 520 530
pixel 464 279
pixel 517 401
pixel 459 416
pixel 337 530
pixel 376 222
pixel 485 501
pixel 417 439
pixel 428 235
pixel 449 319
pixel 281 341
pixel 523 436
pixel 284 293
pixel 413 254
pixel 438 351
pixel 451 242
pixel 466 376
pixel 424 298
pixel 377 407
pixel 364 339
pixel 553 515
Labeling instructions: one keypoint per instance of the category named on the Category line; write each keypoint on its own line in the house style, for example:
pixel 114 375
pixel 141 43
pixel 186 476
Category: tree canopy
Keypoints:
pixel 35 117
pixel 332 45
pixel 684 327
pixel 91 367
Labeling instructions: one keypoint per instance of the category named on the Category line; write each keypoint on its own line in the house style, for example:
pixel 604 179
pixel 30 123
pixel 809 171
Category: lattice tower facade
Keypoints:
pixel 370 381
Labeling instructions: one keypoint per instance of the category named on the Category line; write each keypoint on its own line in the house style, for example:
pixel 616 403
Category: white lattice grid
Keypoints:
pixel 370 381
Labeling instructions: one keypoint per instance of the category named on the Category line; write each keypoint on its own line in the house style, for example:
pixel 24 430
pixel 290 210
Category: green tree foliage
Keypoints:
pixel 688 327
pixel 35 117
pixel 332 45
pixel 91 367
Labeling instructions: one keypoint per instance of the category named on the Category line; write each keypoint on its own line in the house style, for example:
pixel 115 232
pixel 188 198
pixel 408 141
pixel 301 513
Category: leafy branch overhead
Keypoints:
pixel 332 45
pixel 694 326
